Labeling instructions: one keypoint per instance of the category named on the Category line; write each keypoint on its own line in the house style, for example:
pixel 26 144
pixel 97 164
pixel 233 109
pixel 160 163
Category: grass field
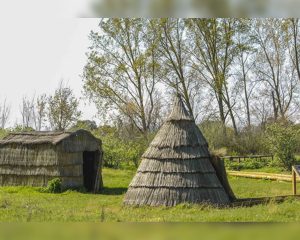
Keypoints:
pixel 21 204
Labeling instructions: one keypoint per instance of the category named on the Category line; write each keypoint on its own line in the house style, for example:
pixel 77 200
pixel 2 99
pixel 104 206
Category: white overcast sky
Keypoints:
pixel 39 48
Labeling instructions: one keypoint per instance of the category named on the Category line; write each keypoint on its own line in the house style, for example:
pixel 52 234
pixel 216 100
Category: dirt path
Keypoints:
pixel 262 175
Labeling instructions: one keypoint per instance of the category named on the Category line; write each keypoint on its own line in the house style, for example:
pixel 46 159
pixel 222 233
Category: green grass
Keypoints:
pixel 21 204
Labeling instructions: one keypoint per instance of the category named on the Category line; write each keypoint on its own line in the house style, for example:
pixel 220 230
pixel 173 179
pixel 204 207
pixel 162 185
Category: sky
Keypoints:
pixel 43 41
pixel 36 53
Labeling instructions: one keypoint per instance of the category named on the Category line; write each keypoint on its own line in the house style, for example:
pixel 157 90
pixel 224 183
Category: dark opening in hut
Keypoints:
pixel 90 168
pixel 34 158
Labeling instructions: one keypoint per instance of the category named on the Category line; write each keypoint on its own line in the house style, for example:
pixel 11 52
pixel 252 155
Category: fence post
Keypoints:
pixel 294 181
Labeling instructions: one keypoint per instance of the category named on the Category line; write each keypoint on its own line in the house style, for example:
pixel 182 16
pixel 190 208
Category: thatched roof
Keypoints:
pixel 176 167
pixel 42 137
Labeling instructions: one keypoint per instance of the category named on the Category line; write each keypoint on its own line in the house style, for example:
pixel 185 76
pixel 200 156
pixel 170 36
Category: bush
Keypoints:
pixel 249 142
pixel 54 186
pixel 20 128
pixel 3 133
pixel 84 124
pixel 250 163
pixel 119 149
pixel 282 141
pixel 213 132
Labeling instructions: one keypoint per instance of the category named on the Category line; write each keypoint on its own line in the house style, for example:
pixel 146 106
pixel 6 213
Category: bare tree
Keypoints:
pixel 261 109
pixel 34 111
pixel 27 112
pixel 273 68
pixel 244 63
pixel 292 26
pixel 40 111
pixel 4 114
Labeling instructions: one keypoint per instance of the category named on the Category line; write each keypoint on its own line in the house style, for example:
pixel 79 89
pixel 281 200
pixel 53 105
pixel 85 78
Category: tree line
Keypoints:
pixel 239 79
pixel 240 72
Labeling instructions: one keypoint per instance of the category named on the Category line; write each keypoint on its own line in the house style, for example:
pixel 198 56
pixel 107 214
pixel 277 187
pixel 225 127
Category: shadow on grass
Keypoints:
pixel 249 202
pixel 113 191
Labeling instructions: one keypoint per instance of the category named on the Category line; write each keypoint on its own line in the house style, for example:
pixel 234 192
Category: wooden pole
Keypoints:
pixel 294 181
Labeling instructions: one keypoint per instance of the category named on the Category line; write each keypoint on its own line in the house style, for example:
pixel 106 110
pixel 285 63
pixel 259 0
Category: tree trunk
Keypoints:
pixel 295 33
pixel 246 94
pixel 233 122
pixel 221 111
pixel 187 98
pixel 275 108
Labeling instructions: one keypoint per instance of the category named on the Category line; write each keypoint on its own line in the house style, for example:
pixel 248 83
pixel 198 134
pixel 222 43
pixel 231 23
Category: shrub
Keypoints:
pixel 20 128
pixel 282 141
pixel 85 124
pixel 54 186
pixel 113 151
pixel 249 141
pixel 135 149
pixel 3 133
pixel 213 132
pixel 119 149
pixel 250 163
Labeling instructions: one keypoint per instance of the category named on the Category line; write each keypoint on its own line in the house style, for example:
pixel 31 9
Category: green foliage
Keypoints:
pixel 213 131
pixel 120 150
pixel 249 141
pixel 282 141
pixel 122 72
pixel 135 149
pixel 248 163
pixel 20 128
pixel 63 108
pixel 54 186
pixel 114 151
pixel 85 124
pixel 3 133
pixel 17 128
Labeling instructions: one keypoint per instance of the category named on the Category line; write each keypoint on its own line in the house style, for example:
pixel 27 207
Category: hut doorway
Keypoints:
pixel 90 168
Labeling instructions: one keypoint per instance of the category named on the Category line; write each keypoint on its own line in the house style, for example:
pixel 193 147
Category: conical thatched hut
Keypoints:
pixel 176 168
pixel 34 158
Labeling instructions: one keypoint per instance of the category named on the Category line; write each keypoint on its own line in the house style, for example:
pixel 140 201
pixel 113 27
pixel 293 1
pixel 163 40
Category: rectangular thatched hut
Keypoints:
pixel 34 158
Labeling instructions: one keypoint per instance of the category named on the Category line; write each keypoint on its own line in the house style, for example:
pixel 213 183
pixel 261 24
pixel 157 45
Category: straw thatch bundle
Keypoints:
pixel 34 158
pixel 176 168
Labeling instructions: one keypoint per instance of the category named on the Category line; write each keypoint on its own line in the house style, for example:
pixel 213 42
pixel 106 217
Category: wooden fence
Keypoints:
pixel 239 158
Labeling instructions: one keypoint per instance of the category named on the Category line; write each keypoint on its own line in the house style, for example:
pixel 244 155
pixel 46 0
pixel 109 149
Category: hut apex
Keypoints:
pixel 177 167
pixel 34 158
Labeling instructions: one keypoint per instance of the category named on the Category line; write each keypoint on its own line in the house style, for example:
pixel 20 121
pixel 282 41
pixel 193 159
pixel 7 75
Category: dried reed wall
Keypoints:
pixel 176 167
pixel 35 165
pixel 34 158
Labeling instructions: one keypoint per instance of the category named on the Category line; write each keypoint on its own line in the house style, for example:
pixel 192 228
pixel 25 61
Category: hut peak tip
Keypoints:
pixel 179 111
